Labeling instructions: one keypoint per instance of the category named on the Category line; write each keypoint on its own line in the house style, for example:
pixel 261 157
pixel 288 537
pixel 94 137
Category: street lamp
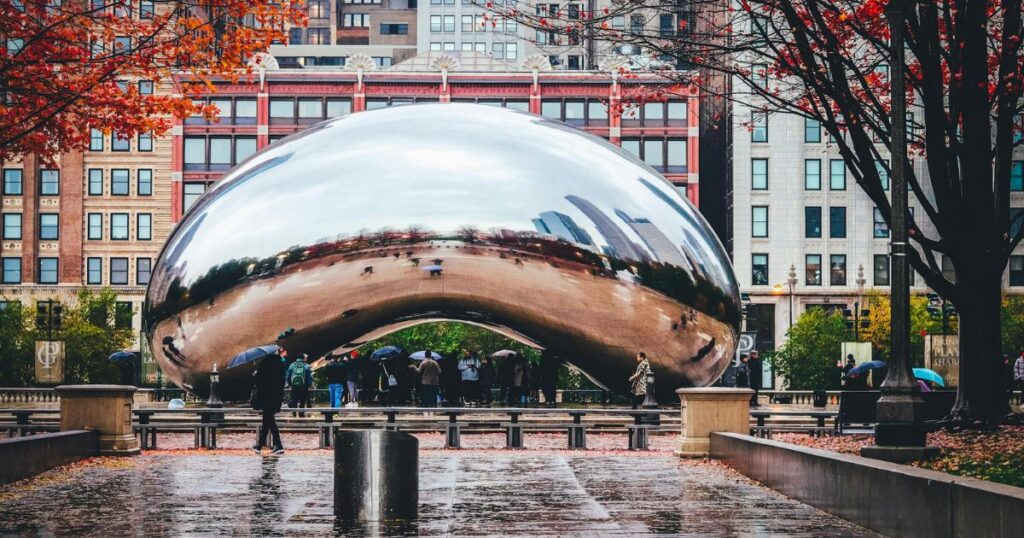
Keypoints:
pixel 899 435
pixel 791 282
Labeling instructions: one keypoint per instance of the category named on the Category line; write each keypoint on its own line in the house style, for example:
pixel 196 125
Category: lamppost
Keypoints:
pixel 899 435
pixel 792 284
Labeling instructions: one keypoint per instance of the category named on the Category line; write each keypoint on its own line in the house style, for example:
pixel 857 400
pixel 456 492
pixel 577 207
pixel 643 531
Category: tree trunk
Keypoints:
pixel 981 395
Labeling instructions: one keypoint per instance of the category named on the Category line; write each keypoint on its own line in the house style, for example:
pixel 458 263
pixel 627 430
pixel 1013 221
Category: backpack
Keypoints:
pixel 297 375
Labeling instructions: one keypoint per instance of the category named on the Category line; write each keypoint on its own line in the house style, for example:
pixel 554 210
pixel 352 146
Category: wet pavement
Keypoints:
pixel 462 493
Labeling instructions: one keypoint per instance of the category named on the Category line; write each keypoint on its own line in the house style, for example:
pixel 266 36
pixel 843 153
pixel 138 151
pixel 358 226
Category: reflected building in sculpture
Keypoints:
pixel 513 248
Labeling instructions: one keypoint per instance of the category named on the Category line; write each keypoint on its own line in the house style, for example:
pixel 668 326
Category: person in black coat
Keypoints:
pixel 269 393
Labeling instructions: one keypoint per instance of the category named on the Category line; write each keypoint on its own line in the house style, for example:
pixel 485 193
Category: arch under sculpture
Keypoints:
pixel 365 224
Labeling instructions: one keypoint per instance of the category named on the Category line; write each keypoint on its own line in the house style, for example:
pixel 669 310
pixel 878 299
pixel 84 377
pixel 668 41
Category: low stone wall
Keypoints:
pixel 23 457
pixel 892 499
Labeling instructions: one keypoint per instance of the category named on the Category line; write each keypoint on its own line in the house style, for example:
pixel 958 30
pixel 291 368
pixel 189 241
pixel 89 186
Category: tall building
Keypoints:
pixel 805 234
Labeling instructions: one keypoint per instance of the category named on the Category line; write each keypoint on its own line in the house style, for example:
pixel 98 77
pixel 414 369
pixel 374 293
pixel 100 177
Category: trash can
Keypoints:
pixel 376 475
pixel 820 398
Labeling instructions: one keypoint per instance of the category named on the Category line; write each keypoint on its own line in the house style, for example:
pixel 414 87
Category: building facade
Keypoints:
pixel 805 234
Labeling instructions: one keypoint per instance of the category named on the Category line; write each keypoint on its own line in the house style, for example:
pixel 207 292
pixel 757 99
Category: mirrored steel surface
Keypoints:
pixel 366 224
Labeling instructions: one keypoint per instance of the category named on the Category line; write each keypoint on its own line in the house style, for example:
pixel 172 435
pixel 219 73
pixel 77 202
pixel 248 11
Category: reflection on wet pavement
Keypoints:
pixel 461 494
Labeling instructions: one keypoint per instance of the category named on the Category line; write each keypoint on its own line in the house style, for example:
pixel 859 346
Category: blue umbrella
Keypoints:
pixel 387 353
pixel 929 375
pixel 420 355
pixel 253 354
pixel 863 367
pixel 122 356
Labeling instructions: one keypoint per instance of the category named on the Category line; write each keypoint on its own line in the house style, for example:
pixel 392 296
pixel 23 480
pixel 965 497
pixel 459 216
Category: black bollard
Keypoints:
pixel 376 475
pixel 214 400
pixel 650 401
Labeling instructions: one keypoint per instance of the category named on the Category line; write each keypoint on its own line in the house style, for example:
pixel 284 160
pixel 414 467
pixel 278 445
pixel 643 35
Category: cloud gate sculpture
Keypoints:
pixel 367 224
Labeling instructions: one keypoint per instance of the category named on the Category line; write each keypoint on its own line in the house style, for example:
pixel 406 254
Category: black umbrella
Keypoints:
pixel 863 368
pixel 122 356
pixel 253 354
pixel 387 353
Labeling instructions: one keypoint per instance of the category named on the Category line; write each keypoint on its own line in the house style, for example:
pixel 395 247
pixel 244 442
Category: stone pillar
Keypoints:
pixel 105 408
pixel 712 409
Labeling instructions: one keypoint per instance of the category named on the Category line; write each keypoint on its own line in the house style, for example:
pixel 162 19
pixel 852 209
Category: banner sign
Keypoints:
pixel 942 354
pixel 49 362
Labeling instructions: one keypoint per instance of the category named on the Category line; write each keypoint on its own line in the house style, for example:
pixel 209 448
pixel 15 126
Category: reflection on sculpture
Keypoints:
pixel 370 223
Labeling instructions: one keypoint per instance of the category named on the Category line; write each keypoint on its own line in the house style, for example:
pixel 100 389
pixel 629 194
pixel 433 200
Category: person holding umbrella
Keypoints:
pixel 267 394
pixel 125 367
pixel 469 368
pixel 430 374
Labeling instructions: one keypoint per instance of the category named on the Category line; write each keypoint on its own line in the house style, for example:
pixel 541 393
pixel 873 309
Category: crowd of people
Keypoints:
pixel 471 379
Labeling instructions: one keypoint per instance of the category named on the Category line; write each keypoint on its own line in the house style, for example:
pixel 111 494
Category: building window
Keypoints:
pixel 837 222
pixel 311 109
pixel 120 143
pixel 195 152
pixel 812 222
pixel 119 181
pixel 881 263
pixel 95 226
pixel 677 155
pixel 759 221
pixel 759 269
pixel 119 226
pixel 759 126
pixel 883 174
pixel 94 271
pixel 948 270
pixel 319 9
pixel 145 87
pixel 123 313
pixel 435 23
pixel 1017 176
pixel 837 263
pixel 12 226
pixel 837 175
pixel 95 140
pixel 759 174
pixel 358 20
pixel 118 271
pixel 632 146
pixel 759 76
pixel 146 9
pixel 220 153
pixel 282 109
pixel 677 113
pixel 597 114
pixel 1017 270
pixel 654 154
pixel 143 269
pixel 812 269
pixel 812 131
pixel 551 109
pixel 245 111
pixel 390 28
pixel 338 107
pixel 95 182
pixel 654 114
pixel 499 50
pixel 48 270
pixel 192 193
pixel 245 147
pixel 145 141
pixel 575 112
pixel 49 182
pixel 449 23
pixel 881 229
pixel 812 174
pixel 145 182
pixel 511 51
pixel 49 226
pixel 144 226
pixel 12 270
pixel 12 182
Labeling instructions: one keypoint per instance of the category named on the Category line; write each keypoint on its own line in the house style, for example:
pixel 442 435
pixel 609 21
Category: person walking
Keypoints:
pixel 743 372
pixel 550 364
pixel 518 380
pixel 487 378
pixel 1018 377
pixel 430 375
pixel 756 376
pixel 844 369
pixel 335 371
pixel 300 379
pixel 352 379
pixel 451 380
pixel 469 367
pixel 639 379
pixel 267 394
